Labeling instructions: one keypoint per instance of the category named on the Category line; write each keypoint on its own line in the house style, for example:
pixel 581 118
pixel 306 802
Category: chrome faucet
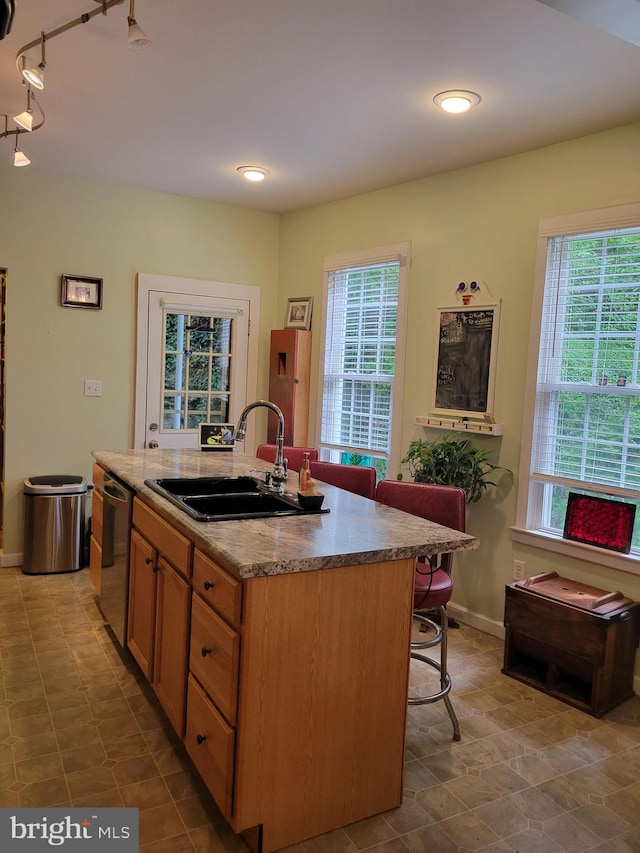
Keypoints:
pixel 279 474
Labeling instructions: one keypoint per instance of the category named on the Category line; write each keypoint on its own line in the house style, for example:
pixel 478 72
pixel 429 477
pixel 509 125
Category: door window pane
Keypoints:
pixel 197 358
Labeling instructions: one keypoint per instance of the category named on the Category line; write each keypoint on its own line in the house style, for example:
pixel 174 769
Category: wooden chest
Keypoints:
pixel 572 641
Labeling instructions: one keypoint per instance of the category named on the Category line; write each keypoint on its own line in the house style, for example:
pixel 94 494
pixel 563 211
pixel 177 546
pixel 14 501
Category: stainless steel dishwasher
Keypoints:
pixel 117 504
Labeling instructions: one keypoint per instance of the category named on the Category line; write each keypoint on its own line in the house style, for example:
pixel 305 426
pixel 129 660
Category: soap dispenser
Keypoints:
pixel 304 474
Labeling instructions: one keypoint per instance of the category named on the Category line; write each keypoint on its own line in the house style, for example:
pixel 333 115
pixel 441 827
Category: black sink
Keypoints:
pixel 204 486
pixel 227 498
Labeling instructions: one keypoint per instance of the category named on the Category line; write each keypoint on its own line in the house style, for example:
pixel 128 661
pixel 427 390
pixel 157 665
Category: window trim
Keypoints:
pixel 619 216
pixel 394 251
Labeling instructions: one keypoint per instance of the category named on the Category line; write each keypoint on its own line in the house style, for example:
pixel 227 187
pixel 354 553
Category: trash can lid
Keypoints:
pixel 55 484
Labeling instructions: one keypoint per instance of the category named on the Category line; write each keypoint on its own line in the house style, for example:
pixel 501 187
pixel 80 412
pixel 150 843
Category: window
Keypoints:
pixel 585 400
pixel 363 358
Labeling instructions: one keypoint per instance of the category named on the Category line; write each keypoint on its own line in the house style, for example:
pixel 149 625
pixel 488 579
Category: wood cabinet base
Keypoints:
pixel 322 699
pixel 579 656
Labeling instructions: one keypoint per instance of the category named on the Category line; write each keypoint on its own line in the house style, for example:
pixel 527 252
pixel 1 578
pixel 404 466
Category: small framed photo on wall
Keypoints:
pixel 80 291
pixel 299 310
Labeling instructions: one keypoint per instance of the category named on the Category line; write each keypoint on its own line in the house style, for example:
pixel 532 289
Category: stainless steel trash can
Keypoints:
pixel 54 523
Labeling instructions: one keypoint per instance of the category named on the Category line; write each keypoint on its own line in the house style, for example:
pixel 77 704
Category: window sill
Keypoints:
pixel 549 542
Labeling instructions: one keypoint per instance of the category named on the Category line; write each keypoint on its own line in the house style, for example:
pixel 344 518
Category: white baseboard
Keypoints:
pixel 7 560
pixel 475 620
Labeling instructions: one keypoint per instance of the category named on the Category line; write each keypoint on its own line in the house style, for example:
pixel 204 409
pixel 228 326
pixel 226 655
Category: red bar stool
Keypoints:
pixel 433 584
pixel 293 455
pixel 359 479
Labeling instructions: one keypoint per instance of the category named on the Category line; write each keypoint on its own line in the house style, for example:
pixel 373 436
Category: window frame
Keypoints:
pixel 620 216
pixel 402 253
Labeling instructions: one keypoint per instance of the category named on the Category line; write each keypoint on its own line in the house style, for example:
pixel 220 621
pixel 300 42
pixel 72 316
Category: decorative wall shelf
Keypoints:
pixel 459 424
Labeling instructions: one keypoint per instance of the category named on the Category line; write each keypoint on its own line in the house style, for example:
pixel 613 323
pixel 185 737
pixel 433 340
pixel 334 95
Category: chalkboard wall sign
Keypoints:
pixel 467 342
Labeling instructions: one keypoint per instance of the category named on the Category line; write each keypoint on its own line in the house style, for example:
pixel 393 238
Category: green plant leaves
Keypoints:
pixel 450 462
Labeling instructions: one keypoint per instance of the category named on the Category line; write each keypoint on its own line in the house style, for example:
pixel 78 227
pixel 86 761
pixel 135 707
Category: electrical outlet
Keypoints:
pixel 518 570
pixel 93 387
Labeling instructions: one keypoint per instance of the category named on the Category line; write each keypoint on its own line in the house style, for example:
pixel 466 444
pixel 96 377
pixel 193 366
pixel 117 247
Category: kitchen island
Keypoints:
pixel 278 646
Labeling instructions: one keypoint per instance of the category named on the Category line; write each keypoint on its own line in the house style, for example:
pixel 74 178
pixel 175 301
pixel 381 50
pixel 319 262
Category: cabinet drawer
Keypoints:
pixel 214 657
pixel 210 743
pixel 96 516
pixel 219 589
pixel 171 544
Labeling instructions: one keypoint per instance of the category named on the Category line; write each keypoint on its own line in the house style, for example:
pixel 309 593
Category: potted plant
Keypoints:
pixel 450 461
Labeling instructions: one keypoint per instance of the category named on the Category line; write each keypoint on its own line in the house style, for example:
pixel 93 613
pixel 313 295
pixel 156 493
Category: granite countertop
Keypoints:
pixel 355 531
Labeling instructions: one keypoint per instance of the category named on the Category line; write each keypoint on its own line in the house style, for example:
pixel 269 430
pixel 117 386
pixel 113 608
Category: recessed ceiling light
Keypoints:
pixel 457 100
pixel 253 173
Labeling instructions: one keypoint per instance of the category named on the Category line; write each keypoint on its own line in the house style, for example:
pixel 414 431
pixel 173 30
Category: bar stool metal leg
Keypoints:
pixel 439 638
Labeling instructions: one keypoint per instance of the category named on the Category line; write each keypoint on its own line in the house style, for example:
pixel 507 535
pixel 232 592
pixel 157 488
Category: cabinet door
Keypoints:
pixel 143 582
pixel 172 634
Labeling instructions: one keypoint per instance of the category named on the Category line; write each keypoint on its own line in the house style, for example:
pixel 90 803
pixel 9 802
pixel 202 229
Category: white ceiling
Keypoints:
pixel 334 97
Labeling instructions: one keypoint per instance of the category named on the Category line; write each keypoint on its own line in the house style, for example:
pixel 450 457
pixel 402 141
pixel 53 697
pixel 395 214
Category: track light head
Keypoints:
pixel 25 120
pixel 137 39
pixel 34 75
pixel 20 159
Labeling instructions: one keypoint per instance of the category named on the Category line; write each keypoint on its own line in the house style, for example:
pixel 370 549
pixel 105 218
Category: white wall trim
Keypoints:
pixel 8 560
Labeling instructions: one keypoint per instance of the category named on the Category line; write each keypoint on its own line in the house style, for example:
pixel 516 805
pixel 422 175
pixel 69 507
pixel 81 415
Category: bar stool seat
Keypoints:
pixel 433 584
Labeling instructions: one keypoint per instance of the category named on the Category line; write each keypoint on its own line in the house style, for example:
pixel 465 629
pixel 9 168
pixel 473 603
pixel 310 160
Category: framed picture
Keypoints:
pixel 217 436
pixel 80 291
pixel 299 312
pixel 467 344
pixel 599 521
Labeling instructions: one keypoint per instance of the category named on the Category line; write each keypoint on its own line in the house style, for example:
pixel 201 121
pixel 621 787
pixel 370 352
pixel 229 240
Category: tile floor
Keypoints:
pixel 79 727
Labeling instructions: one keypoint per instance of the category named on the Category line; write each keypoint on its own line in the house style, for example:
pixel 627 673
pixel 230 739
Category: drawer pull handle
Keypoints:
pixel 208 585
pixel 148 560
pixel 205 651
pixel 201 738
pixel 156 568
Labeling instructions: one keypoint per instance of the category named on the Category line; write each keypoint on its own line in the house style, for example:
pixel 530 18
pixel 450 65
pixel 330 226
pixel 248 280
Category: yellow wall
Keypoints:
pixel 475 223
pixel 52 224
pixel 479 222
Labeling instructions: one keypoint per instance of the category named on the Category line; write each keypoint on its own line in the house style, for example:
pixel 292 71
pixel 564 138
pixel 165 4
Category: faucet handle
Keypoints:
pixel 285 465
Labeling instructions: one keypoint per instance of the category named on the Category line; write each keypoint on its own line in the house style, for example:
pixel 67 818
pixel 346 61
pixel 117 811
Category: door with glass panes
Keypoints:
pixel 196 367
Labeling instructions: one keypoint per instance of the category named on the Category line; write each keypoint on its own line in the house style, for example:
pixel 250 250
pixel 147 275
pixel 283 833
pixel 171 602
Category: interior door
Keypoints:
pixel 196 365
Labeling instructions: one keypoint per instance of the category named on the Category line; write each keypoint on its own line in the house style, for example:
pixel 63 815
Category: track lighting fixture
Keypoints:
pixel 19 159
pixel 34 74
pixel 25 119
pixel 136 38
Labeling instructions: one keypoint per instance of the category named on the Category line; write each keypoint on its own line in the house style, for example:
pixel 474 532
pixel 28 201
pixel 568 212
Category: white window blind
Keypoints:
pixel 586 432
pixel 360 358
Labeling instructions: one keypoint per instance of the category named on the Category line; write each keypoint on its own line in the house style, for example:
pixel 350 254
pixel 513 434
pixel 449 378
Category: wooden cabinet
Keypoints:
pixel 572 641
pixel 95 542
pixel 143 585
pixel 214 663
pixel 159 608
pixel 289 377
pixel 282 717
